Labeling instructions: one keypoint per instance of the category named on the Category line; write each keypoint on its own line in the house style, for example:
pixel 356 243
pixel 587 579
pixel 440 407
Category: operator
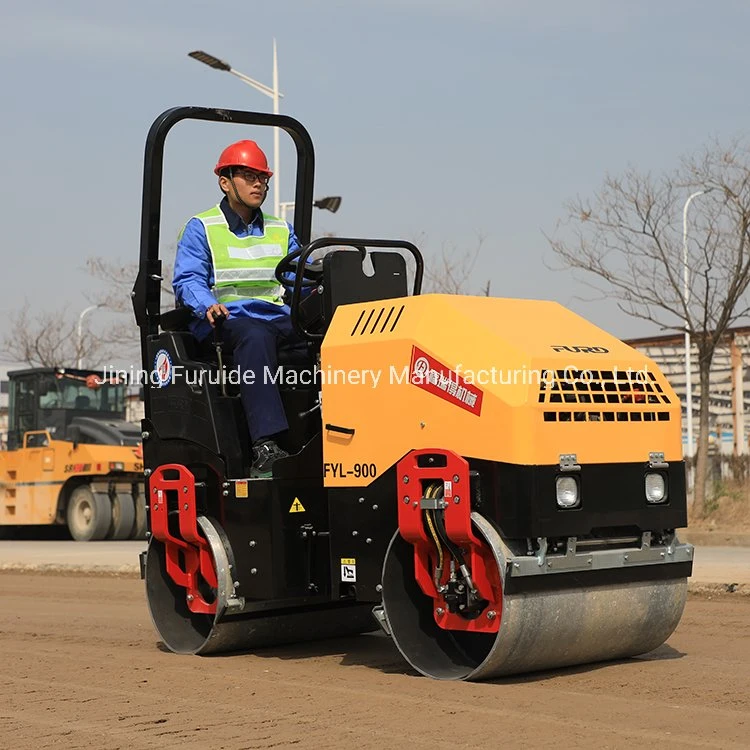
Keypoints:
pixel 225 264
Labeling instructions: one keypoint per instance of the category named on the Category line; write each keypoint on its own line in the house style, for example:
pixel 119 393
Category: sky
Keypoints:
pixel 436 121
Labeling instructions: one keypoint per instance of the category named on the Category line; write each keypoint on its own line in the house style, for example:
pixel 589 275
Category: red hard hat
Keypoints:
pixel 243 154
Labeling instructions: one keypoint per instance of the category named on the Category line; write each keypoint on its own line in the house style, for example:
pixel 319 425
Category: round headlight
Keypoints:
pixel 656 487
pixel 567 492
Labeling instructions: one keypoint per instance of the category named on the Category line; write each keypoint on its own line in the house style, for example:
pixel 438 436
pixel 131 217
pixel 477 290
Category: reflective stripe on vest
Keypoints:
pixel 244 266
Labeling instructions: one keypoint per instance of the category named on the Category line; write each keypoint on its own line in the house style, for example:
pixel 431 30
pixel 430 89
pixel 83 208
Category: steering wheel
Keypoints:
pixel 287 266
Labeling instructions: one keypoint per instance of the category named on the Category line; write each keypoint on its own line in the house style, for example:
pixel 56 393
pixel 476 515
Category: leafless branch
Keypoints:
pixel 627 240
pixel 452 272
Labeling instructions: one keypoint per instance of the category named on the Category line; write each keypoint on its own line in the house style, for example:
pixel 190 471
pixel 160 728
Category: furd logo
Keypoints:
pixel 581 349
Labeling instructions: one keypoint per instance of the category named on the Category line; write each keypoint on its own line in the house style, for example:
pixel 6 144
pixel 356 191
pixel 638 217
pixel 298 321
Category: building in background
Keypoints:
pixel 134 406
pixel 729 409
pixel 3 407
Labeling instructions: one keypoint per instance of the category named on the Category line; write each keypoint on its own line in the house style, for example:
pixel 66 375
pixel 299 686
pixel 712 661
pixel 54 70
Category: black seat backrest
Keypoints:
pixel 82 402
pixel 176 319
pixel 345 281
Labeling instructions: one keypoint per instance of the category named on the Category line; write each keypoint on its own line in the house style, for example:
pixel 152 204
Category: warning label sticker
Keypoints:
pixel 348 569
pixel 240 488
pixel 297 506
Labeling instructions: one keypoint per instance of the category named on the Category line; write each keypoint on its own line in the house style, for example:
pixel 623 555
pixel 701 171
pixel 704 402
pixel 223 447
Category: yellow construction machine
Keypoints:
pixel 496 483
pixel 71 458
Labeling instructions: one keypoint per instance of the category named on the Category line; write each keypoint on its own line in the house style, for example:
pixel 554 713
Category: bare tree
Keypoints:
pixel 628 239
pixel 117 280
pixel 451 274
pixel 50 339
pixel 113 293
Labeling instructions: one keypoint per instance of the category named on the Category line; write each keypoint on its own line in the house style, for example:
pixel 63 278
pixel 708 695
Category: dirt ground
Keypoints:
pixel 728 510
pixel 82 668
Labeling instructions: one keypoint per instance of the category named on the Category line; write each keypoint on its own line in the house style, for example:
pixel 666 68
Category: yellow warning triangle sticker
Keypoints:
pixel 297 506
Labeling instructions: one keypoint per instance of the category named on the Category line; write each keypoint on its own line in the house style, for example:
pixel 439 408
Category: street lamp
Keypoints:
pixel 332 203
pixel 79 363
pixel 686 282
pixel 273 92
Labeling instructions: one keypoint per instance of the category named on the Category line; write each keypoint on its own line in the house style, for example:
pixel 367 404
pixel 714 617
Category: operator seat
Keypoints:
pixel 82 402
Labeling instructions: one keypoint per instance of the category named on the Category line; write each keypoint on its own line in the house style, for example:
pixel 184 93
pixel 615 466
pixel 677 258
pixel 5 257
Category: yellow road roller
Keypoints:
pixel 495 483
pixel 71 459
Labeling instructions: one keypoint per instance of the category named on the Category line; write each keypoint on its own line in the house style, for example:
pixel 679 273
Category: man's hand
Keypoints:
pixel 214 312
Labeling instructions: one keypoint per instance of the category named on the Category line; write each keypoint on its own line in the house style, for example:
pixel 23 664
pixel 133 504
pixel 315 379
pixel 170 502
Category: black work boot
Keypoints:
pixel 265 452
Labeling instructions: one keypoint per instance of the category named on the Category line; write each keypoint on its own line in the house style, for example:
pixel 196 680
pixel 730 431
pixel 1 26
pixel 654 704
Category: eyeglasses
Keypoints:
pixel 250 176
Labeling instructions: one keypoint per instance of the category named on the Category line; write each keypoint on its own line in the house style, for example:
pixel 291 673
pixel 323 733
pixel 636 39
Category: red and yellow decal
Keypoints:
pixel 433 376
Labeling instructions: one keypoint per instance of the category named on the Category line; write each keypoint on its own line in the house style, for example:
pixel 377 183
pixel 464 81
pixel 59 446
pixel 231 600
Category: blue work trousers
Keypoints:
pixel 255 344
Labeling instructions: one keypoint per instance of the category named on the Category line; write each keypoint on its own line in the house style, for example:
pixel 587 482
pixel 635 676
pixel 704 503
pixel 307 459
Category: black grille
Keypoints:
pixel 606 416
pixel 594 395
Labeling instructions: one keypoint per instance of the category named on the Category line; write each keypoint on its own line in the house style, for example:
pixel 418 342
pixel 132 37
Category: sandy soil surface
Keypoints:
pixel 729 511
pixel 82 668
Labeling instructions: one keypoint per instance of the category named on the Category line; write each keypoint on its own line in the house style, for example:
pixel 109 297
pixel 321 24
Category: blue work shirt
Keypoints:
pixel 194 273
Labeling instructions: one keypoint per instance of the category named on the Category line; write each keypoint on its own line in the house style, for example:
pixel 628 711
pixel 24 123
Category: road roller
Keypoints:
pixel 494 483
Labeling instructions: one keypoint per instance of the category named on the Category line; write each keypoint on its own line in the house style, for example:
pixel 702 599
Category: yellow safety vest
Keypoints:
pixel 244 266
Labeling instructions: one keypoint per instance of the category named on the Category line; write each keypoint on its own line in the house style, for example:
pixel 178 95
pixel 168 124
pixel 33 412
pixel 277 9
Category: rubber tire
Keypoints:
pixel 123 517
pixel 141 523
pixel 96 525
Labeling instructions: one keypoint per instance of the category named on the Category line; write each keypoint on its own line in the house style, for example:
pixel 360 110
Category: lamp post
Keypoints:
pixel 79 363
pixel 284 207
pixel 273 92
pixel 332 203
pixel 686 283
